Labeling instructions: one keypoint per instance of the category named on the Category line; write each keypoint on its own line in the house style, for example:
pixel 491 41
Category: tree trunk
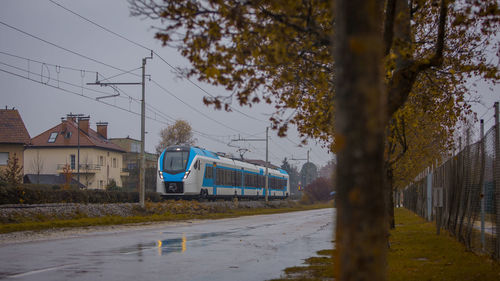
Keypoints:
pixel 361 232
pixel 389 199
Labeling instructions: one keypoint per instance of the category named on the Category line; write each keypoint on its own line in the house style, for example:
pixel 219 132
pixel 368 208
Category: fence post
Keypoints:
pixel 429 196
pixel 497 182
pixel 482 187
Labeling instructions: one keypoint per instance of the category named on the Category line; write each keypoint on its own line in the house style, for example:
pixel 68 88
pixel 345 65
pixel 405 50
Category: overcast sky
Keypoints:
pixel 42 104
pixel 57 77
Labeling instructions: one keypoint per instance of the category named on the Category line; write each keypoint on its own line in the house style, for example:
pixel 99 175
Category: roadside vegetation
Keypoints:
pixel 152 212
pixel 416 253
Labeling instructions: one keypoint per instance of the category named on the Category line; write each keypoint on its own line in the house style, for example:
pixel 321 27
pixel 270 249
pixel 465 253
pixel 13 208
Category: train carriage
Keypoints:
pixel 190 171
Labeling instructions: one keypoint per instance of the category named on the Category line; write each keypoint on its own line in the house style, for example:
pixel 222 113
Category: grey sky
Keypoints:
pixel 41 106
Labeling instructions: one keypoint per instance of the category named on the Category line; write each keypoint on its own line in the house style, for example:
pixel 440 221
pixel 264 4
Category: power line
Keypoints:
pixel 149 49
pixel 205 91
pixel 100 26
pixel 58 80
pixel 108 65
pixel 207 136
pixel 46 63
pixel 193 108
pixel 97 91
pixel 60 47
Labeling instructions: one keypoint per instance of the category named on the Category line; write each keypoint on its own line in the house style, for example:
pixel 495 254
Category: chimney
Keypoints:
pixel 71 117
pixel 64 125
pixel 102 129
pixel 84 124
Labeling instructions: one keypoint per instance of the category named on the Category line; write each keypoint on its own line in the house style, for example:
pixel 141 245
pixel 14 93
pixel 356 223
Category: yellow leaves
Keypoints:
pixel 211 72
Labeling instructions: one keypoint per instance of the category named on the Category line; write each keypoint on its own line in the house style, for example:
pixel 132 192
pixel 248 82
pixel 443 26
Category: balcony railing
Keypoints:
pixel 84 168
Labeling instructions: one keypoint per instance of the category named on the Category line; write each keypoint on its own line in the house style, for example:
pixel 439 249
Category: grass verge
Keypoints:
pixel 166 216
pixel 416 253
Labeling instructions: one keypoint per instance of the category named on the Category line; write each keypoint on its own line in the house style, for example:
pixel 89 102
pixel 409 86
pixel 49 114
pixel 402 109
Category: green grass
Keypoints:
pixel 49 223
pixel 416 253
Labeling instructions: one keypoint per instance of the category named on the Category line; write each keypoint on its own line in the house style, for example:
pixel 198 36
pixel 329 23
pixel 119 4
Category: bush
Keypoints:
pixel 46 194
pixel 318 191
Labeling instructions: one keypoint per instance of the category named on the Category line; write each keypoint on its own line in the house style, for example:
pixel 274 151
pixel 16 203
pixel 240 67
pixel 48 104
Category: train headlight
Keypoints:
pixel 187 174
pixel 160 174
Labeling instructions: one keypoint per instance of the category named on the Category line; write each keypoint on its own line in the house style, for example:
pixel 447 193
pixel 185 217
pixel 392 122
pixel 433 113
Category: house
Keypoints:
pixel 13 136
pixel 73 147
pixel 131 161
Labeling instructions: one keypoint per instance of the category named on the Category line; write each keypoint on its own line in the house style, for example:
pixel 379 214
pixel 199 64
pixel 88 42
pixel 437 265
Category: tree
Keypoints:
pixel 308 173
pixel 68 176
pixel 319 190
pixel 111 186
pixel 293 176
pixel 328 171
pixel 86 167
pixel 281 51
pixel 13 174
pixel 178 133
pixel 37 166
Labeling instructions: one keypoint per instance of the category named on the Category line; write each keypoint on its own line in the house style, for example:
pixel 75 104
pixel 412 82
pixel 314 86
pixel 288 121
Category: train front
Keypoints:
pixel 173 170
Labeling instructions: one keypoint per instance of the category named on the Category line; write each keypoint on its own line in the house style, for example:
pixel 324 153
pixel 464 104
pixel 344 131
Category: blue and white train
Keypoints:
pixel 189 171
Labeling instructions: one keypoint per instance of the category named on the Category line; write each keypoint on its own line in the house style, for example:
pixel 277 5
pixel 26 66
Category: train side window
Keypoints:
pixel 195 165
pixel 209 172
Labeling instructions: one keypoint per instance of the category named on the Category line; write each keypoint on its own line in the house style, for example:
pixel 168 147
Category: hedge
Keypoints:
pixel 36 195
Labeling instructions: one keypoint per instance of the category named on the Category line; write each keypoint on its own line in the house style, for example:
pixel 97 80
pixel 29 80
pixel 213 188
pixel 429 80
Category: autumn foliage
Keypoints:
pixel 319 190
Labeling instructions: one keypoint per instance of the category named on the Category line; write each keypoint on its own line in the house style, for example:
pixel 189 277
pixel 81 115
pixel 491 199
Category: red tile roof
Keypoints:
pixel 12 129
pixel 69 138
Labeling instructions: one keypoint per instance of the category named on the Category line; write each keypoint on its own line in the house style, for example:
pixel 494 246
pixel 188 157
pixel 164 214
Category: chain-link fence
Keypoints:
pixel 463 195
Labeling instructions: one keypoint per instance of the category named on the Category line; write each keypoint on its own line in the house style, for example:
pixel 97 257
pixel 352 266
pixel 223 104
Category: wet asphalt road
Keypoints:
pixel 245 248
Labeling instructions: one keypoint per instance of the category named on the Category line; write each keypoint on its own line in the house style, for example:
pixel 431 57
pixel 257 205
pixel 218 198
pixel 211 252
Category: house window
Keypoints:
pixel 72 161
pixel 114 162
pixel 4 157
pixel 52 137
pixel 135 147
pixel 101 160
pixel 101 184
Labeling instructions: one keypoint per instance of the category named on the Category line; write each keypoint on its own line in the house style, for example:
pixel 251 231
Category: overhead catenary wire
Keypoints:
pixel 166 62
pixel 70 68
pixel 94 60
pixel 108 65
pixel 46 63
pixel 207 136
pixel 149 49
pixel 192 107
pixel 60 47
pixel 151 108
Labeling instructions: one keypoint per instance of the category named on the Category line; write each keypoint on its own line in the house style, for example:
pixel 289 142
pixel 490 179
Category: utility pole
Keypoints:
pixel 496 176
pixel 300 159
pixel 79 116
pixel 267 163
pixel 142 162
pixel 142 174
pixel 267 158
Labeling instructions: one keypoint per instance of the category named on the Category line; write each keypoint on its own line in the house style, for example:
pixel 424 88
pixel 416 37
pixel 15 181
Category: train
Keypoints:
pixel 193 172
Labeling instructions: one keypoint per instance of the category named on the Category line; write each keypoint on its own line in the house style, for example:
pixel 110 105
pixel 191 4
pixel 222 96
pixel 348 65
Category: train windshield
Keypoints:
pixel 175 161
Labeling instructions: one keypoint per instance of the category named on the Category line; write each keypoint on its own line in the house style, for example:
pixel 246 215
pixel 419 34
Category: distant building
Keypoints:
pixel 131 160
pixel 55 152
pixel 13 136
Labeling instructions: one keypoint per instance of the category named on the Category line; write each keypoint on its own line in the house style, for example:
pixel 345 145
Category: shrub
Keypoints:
pixel 45 194
pixel 319 190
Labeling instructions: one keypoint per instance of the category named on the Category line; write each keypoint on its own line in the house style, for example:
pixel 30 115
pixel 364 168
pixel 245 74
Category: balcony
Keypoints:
pixel 124 172
pixel 84 168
